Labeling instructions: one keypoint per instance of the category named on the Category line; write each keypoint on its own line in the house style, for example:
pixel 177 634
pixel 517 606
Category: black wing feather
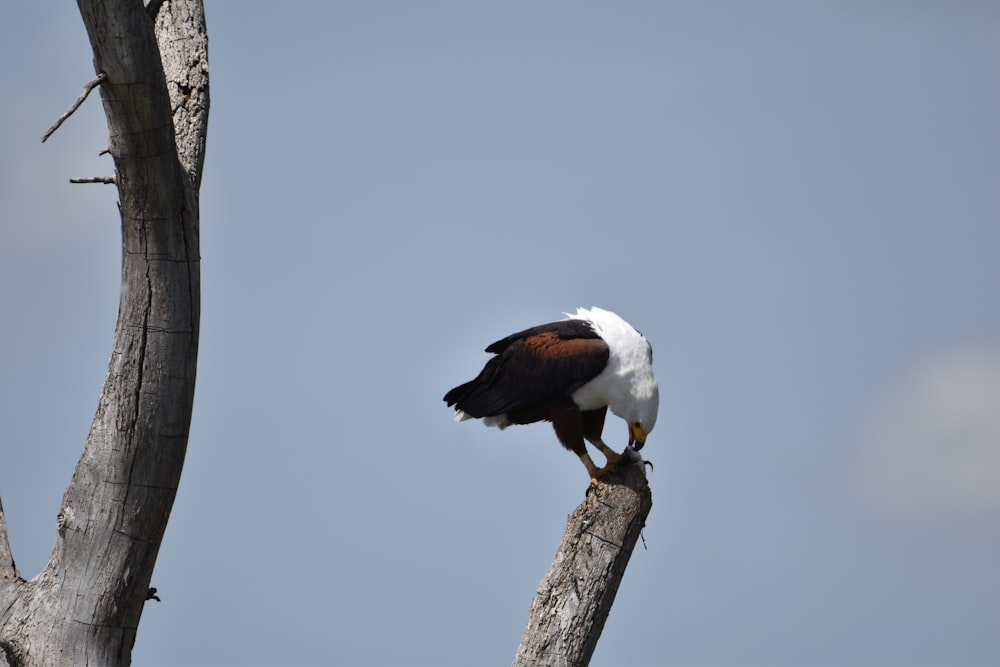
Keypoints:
pixel 530 369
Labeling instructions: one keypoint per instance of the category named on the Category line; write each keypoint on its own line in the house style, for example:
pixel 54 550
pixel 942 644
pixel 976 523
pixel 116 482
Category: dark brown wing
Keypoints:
pixel 532 368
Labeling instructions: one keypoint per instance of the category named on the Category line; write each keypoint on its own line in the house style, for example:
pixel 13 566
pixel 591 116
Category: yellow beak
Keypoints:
pixel 636 436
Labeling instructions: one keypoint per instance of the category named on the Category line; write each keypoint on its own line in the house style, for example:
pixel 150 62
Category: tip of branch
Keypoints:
pixel 630 471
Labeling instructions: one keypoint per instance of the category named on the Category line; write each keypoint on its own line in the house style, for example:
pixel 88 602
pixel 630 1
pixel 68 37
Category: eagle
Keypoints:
pixel 568 373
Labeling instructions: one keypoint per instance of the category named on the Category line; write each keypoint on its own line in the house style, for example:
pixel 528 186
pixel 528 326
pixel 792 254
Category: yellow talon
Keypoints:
pixel 597 473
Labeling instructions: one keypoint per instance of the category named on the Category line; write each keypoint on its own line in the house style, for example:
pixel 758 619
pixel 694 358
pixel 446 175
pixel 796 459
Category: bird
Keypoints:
pixel 569 373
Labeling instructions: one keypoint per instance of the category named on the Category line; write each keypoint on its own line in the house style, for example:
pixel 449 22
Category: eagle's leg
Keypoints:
pixel 575 428
pixel 595 472
pixel 612 456
pixel 592 422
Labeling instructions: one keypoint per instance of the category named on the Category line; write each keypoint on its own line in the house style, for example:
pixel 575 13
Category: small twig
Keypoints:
pixel 107 180
pixel 93 83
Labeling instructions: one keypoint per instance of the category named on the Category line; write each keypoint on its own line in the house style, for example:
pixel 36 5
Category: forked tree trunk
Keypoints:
pixel 568 614
pixel 84 607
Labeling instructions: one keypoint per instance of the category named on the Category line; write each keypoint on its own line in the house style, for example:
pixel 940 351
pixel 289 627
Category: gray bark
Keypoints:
pixel 84 607
pixel 567 615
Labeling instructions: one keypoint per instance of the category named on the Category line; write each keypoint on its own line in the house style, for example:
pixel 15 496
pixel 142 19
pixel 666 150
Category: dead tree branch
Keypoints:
pixel 84 607
pixel 573 601
pixel 8 571
pixel 93 83
pixel 106 180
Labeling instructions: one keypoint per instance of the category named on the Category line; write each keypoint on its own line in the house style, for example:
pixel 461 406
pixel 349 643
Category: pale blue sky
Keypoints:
pixel 797 202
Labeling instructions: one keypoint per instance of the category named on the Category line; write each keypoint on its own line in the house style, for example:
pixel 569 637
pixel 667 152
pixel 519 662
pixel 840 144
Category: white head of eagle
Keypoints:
pixel 569 373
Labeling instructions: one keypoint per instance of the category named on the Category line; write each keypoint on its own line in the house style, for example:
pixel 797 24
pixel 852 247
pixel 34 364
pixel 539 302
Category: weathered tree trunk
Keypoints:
pixel 573 601
pixel 84 607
